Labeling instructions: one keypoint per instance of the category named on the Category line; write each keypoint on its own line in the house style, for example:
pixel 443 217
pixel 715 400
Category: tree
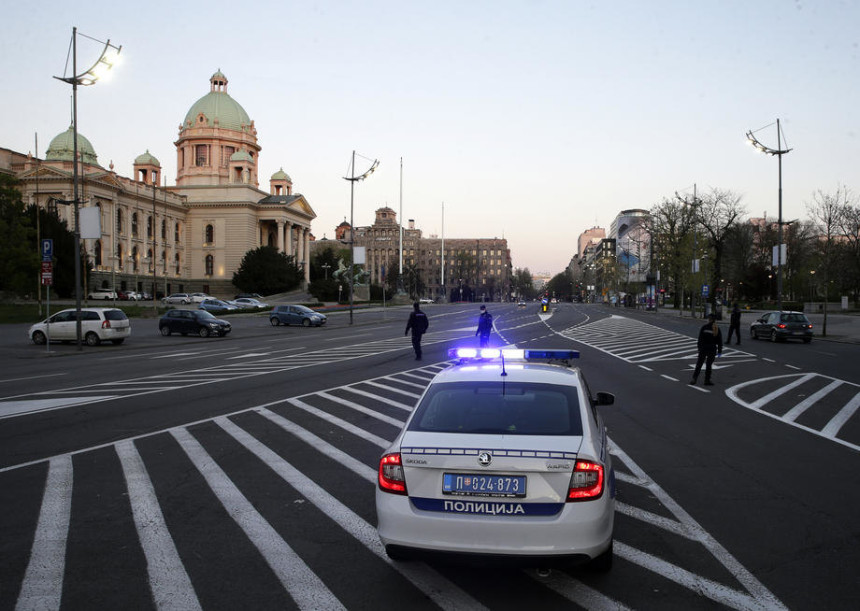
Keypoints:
pixel 324 286
pixel 267 271
pixel 18 252
pixel 672 229
pixel 717 213
pixel 522 283
pixel 849 228
pixel 412 282
pixel 826 211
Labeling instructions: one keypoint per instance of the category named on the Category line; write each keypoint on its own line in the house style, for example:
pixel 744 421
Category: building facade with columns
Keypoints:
pixel 474 268
pixel 188 237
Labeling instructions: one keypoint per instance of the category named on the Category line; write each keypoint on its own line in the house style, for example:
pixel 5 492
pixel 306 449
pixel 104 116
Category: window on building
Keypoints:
pixel 134 225
pixel 228 152
pixel 164 229
pixel 97 252
pixel 119 230
pixel 149 220
pixel 164 262
pixel 210 264
pixel 119 252
pixel 201 155
pixel 176 263
pixel 176 233
pixel 209 236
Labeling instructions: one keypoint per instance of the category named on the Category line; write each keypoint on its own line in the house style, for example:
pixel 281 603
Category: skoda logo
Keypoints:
pixel 485 458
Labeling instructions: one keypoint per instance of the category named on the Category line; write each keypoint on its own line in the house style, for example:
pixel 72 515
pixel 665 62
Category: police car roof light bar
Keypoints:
pixel 513 354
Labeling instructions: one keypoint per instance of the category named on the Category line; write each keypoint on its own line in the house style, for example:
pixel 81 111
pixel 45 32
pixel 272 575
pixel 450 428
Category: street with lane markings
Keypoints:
pixel 240 471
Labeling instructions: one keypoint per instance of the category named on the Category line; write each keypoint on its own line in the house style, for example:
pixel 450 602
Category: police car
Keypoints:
pixel 505 456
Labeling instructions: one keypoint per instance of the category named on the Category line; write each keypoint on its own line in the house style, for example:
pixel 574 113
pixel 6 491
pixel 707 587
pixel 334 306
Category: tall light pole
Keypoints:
pixel 352 180
pixel 105 62
pixel 778 152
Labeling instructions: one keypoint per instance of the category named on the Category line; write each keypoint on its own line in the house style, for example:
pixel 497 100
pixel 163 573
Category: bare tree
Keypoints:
pixel 717 213
pixel 849 227
pixel 672 223
pixel 827 211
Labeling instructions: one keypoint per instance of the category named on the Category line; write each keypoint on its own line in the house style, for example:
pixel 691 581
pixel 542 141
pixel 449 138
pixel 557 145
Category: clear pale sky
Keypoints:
pixel 530 120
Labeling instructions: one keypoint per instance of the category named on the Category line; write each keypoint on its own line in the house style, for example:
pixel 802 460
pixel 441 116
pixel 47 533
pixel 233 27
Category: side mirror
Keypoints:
pixel 605 398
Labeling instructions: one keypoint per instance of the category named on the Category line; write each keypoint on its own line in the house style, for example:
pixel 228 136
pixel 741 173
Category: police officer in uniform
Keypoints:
pixel 710 344
pixel 418 323
pixel 485 327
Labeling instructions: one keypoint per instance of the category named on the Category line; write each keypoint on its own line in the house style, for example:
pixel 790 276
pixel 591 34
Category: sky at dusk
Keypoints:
pixel 530 120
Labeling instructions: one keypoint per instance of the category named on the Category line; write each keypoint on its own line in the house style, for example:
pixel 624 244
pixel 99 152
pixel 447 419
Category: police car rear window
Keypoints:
pixel 499 408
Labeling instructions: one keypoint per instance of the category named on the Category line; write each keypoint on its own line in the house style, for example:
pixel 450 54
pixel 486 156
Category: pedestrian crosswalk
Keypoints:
pixel 288 482
pixel 638 342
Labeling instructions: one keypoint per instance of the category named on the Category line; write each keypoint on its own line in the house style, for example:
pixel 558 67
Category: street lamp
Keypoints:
pixel 104 63
pixel 352 180
pixel 779 152
pixel 326 267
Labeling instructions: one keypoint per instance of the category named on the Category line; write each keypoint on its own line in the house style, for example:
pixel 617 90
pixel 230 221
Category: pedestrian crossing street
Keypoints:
pixel 272 507
pixel 639 342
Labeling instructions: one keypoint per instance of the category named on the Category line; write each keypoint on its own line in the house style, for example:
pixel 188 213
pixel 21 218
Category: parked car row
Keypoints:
pixel 111 324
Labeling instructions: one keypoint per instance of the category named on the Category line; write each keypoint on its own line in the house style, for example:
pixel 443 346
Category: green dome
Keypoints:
pixel 146 159
pixel 63 146
pixel 217 104
pixel 241 156
pixel 281 175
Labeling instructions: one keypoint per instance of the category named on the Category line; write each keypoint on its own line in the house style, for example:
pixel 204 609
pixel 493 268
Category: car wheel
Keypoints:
pixel 117 342
pixel 203 332
pixel 107 298
pixel 92 339
pixel 752 334
pixel 275 321
pixel 39 338
pixel 603 562
pixel 773 335
pixel 306 322
pixel 184 302
pixel 165 331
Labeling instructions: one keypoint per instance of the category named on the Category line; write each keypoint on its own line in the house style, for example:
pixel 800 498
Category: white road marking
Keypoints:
pixel 49 375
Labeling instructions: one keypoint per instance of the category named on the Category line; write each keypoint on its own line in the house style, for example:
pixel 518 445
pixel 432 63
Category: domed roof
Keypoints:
pixel 242 155
pixel 146 159
pixel 62 148
pixel 217 104
pixel 281 175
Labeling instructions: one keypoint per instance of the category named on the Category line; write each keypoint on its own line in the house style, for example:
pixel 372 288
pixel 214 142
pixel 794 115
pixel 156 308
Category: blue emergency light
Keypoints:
pixel 511 354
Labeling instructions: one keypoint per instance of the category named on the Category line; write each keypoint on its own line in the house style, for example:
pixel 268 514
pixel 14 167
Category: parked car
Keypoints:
pixel 198 297
pixel 197 322
pixel 97 325
pixel 521 304
pixel 425 300
pixel 249 295
pixel 780 326
pixel 216 305
pixel 106 294
pixel 183 298
pixel 249 303
pixel 128 295
pixel 296 315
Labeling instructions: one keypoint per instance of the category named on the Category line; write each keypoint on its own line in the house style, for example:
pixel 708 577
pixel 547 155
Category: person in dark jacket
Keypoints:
pixel 485 327
pixel 735 325
pixel 418 323
pixel 710 344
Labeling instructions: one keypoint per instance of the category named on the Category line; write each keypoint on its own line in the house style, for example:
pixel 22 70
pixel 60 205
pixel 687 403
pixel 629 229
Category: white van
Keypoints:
pixel 97 325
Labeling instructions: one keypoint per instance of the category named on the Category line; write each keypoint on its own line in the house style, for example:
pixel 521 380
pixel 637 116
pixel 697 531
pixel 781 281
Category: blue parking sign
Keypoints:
pixel 705 290
pixel 47 249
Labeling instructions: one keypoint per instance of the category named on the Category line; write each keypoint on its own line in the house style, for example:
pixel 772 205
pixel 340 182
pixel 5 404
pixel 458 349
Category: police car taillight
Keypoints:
pixel 391 477
pixel 105 324
pixel 586 481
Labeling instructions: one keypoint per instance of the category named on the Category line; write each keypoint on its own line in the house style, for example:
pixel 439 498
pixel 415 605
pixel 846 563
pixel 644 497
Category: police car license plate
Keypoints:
pixel 474 484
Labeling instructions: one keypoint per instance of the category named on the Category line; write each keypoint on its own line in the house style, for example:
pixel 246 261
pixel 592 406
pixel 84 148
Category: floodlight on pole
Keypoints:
pixel 778 152
pixel 352 180
pixel 99 69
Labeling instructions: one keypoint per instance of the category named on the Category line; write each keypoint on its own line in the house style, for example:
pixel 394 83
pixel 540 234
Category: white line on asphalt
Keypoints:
pixel 577 592
pixel 793 367
pixel 43 580
pixel 646 368
pixel 832 428
pixel 781 391
pixel 795 412
pixel 663 375
pixel 306 588
pixel 169 582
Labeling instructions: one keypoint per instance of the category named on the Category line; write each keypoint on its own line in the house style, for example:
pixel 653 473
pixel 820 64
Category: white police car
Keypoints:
pixel 505 456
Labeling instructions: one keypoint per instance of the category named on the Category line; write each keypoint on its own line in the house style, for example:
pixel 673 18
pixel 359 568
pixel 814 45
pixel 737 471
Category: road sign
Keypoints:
pixel 47 273
pixel 705 290
pixel 47 249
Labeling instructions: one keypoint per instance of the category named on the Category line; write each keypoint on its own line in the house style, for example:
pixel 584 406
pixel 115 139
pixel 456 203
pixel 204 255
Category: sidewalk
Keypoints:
pixel 843 328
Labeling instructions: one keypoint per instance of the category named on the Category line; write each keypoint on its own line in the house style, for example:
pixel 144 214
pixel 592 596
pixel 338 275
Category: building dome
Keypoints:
pixel 217 104
pixel 242 155
pixel 62 148
pixel 281 175
pixel 146 159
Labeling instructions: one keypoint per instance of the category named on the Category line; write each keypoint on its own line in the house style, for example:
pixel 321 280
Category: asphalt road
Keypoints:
pixel 239 472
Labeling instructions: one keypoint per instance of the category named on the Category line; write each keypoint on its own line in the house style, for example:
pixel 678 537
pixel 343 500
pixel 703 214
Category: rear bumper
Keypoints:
pixel 579 532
